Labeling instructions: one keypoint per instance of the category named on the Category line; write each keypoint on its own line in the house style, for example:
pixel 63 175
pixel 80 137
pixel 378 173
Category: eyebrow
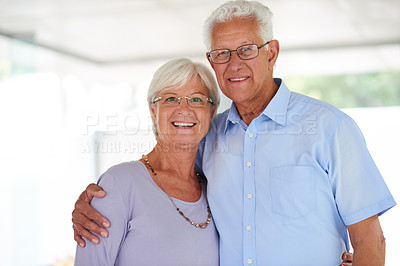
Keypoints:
pixel 197 93
pixel 243 43
pixel 173 93
pixel 193 93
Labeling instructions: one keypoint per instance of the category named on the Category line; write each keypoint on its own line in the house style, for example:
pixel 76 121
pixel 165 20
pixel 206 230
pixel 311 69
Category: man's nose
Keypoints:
pixel 235 62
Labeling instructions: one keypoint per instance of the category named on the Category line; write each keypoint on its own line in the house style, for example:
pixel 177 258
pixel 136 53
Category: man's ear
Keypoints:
pixel 209 60
pixel 273 48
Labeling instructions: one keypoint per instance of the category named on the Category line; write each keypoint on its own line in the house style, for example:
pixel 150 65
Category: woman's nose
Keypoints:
pixel 184 104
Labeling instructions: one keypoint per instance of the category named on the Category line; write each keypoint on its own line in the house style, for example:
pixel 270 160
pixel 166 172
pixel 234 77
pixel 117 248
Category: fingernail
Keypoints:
pixel 106 224
pixel 104 234
pixel 94 240
pixel 81 244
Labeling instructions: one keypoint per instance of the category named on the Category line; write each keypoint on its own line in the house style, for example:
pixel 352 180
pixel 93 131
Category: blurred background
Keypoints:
pixel 73 85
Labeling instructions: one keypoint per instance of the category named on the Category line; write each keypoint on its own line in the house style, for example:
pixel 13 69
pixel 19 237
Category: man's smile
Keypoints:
pixel 237 79
pixel 183 124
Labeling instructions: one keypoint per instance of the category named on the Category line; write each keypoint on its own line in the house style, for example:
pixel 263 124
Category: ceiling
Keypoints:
pixel 133 31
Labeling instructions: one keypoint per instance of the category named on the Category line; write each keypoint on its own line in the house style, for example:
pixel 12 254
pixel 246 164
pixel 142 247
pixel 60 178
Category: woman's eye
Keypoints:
pixel 171 99
pixel 197 100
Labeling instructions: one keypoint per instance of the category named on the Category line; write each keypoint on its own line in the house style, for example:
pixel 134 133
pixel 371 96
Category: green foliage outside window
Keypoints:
pixel 346 91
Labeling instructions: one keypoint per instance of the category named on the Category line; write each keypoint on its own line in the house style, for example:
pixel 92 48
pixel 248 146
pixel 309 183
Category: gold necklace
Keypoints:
pixel 199 225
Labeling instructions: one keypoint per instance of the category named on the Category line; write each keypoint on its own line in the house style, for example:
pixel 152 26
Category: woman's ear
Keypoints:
pixel 214 109
pixel 153 111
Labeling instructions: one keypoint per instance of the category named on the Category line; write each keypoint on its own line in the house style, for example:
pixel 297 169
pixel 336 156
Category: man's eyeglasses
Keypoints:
pixel 245 52
pixel 198 101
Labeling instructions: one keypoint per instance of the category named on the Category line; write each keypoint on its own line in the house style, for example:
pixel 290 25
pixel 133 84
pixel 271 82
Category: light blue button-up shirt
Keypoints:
pixel 283 188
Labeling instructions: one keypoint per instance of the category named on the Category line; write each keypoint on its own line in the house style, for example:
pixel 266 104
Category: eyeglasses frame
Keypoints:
pixel 185 97
pixel 230 52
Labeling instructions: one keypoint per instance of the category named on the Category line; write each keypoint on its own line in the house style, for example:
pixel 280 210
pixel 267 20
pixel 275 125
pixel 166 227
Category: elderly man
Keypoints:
pixel 297 175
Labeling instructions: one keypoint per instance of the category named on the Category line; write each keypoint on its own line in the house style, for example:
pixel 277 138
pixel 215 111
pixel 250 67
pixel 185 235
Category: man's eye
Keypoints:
pixel 222 53
pixel 246 49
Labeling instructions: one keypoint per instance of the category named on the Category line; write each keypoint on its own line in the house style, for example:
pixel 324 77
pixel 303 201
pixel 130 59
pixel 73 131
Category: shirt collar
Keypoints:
pixel 276 109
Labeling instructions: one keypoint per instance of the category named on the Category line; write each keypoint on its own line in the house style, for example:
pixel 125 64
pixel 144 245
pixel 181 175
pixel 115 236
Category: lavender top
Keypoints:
pixel 145 227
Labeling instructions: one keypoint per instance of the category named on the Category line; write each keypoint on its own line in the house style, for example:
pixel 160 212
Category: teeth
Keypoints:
pixel 183 124
pixel 238 79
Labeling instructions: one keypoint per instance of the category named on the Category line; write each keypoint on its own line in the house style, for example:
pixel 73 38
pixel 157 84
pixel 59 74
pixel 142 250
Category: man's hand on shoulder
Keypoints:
pixel 85 219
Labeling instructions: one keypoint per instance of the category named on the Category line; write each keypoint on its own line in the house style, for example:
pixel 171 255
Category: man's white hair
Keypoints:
pixel 240 9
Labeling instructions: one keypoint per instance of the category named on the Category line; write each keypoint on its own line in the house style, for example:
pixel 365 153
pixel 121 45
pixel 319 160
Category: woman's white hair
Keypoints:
pixel 175 74
pixel 240 9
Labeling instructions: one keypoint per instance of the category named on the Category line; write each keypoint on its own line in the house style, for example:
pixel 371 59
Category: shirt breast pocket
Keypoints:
pixel 293 191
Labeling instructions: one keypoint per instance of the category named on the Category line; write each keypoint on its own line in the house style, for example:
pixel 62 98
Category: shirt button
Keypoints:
pixel 249 196
pixel 249 261
pixel 249 164
pixel 248 228
pixel 251 135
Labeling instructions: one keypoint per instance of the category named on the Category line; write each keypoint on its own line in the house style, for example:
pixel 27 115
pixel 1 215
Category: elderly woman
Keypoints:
pixel 157 206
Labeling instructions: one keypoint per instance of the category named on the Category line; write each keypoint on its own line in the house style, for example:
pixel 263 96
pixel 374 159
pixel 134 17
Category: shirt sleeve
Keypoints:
pixel 359 189
pixel 112 207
